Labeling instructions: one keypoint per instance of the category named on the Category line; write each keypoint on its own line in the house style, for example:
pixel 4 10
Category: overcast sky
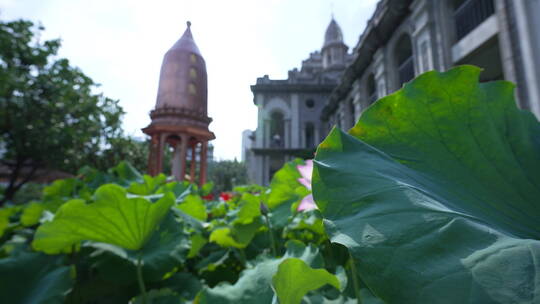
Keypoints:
pixel 120 44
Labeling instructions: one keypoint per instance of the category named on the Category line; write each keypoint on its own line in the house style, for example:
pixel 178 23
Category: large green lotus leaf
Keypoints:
pixel 254 285
pixel 285 192
pixel 148 186
pixel 5 213
pixel 112 218
pixel 32 213
pixel 193 205
pixel 29 278
pixel 166 249
pixel 161 296
pixel 249 209
pixel 436 193
pixel 184 283
pixel 126 173
pixel 294 279
pixel 238 235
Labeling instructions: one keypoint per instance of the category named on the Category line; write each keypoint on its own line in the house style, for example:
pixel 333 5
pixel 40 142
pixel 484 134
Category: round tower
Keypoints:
pixel 334 50
pixel 180 118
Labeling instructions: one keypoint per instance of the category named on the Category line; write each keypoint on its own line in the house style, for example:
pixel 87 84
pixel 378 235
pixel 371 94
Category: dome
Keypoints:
pixel 183 79
pixel 333 34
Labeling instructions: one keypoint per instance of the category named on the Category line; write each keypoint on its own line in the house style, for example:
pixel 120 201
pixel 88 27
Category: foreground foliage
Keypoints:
pixel 431 198
pixel 436 193
pixel 120 236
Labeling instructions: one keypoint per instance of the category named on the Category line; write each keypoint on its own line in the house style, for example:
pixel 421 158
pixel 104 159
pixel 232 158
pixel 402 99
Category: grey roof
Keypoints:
pixel 333 34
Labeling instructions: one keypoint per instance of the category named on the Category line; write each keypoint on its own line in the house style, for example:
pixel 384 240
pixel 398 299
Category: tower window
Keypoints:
pixel 193 58
pixel 192 89
pixel 192 73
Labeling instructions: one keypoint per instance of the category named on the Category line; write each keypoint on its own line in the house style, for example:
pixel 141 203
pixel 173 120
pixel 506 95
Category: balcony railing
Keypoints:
pixel 406 70
pixel 471 14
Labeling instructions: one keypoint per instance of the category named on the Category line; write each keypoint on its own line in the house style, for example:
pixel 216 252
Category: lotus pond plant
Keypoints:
pixel 432 197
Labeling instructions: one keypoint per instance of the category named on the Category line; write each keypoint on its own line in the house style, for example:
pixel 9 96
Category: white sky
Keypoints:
pixel 120 44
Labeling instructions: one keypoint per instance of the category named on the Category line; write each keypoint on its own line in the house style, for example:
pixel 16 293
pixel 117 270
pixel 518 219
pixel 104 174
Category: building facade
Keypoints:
pixel 289 110
pixel 404 38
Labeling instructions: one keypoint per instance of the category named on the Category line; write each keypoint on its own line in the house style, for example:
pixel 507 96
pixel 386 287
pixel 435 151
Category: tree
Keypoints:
pixel 49 116
pixel 123 148
pixel 226 174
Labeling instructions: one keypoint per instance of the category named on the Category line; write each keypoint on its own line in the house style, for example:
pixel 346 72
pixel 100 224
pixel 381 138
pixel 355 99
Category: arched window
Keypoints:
pixel 193 73
pixel 352 113
pixel 277 130
pixel 371 89
pixel 310 135
pixel 192 89
pixel 404 59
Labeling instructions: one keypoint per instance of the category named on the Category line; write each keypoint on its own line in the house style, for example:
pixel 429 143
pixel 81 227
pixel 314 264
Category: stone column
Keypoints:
pixel 203 160
pixel 152 157
pixel 160 153
pixel 176 162
pixel 183 150
pixel 193 162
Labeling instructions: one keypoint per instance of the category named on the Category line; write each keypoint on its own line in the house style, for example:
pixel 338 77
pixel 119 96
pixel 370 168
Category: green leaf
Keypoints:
pixel 249 209
pixel 32 214
pixel 435 192
pixel 238 236
pixel 127 173
pixel 112 219
pixel 183 283
pixel 30 278
pixel 294 279
pixel 194 205
pixel 5 213
pixel 161 296
pixel 197 242
pixel 207 188
pixel 254 285
pixel 165 250
pixel 284 183
pixel 149 185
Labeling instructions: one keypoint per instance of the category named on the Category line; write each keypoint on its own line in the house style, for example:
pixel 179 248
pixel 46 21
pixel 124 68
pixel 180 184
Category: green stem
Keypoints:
pixel 271 234
pixel 141 280
pixel 354 275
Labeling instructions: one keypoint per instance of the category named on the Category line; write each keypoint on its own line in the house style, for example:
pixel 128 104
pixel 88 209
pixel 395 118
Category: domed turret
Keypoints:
pixel 180 117
pixel 333 34
pixel 183 80
pixel 334 51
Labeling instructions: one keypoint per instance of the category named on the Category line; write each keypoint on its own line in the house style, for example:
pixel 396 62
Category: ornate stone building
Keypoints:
pixel 180 117
pixel 289 114
pixel 404 38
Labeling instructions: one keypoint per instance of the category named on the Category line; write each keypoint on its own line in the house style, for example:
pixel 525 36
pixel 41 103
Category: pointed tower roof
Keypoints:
pixel 333 34
pixel 186 42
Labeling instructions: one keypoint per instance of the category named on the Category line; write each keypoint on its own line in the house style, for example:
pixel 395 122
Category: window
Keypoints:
pixel 310 135
pixel 310 103
pixel 404 59
pixel 372 92
pixel 277 130
pixel 193 58
pixel 192 89
pixel 193 73
pixel 352 113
